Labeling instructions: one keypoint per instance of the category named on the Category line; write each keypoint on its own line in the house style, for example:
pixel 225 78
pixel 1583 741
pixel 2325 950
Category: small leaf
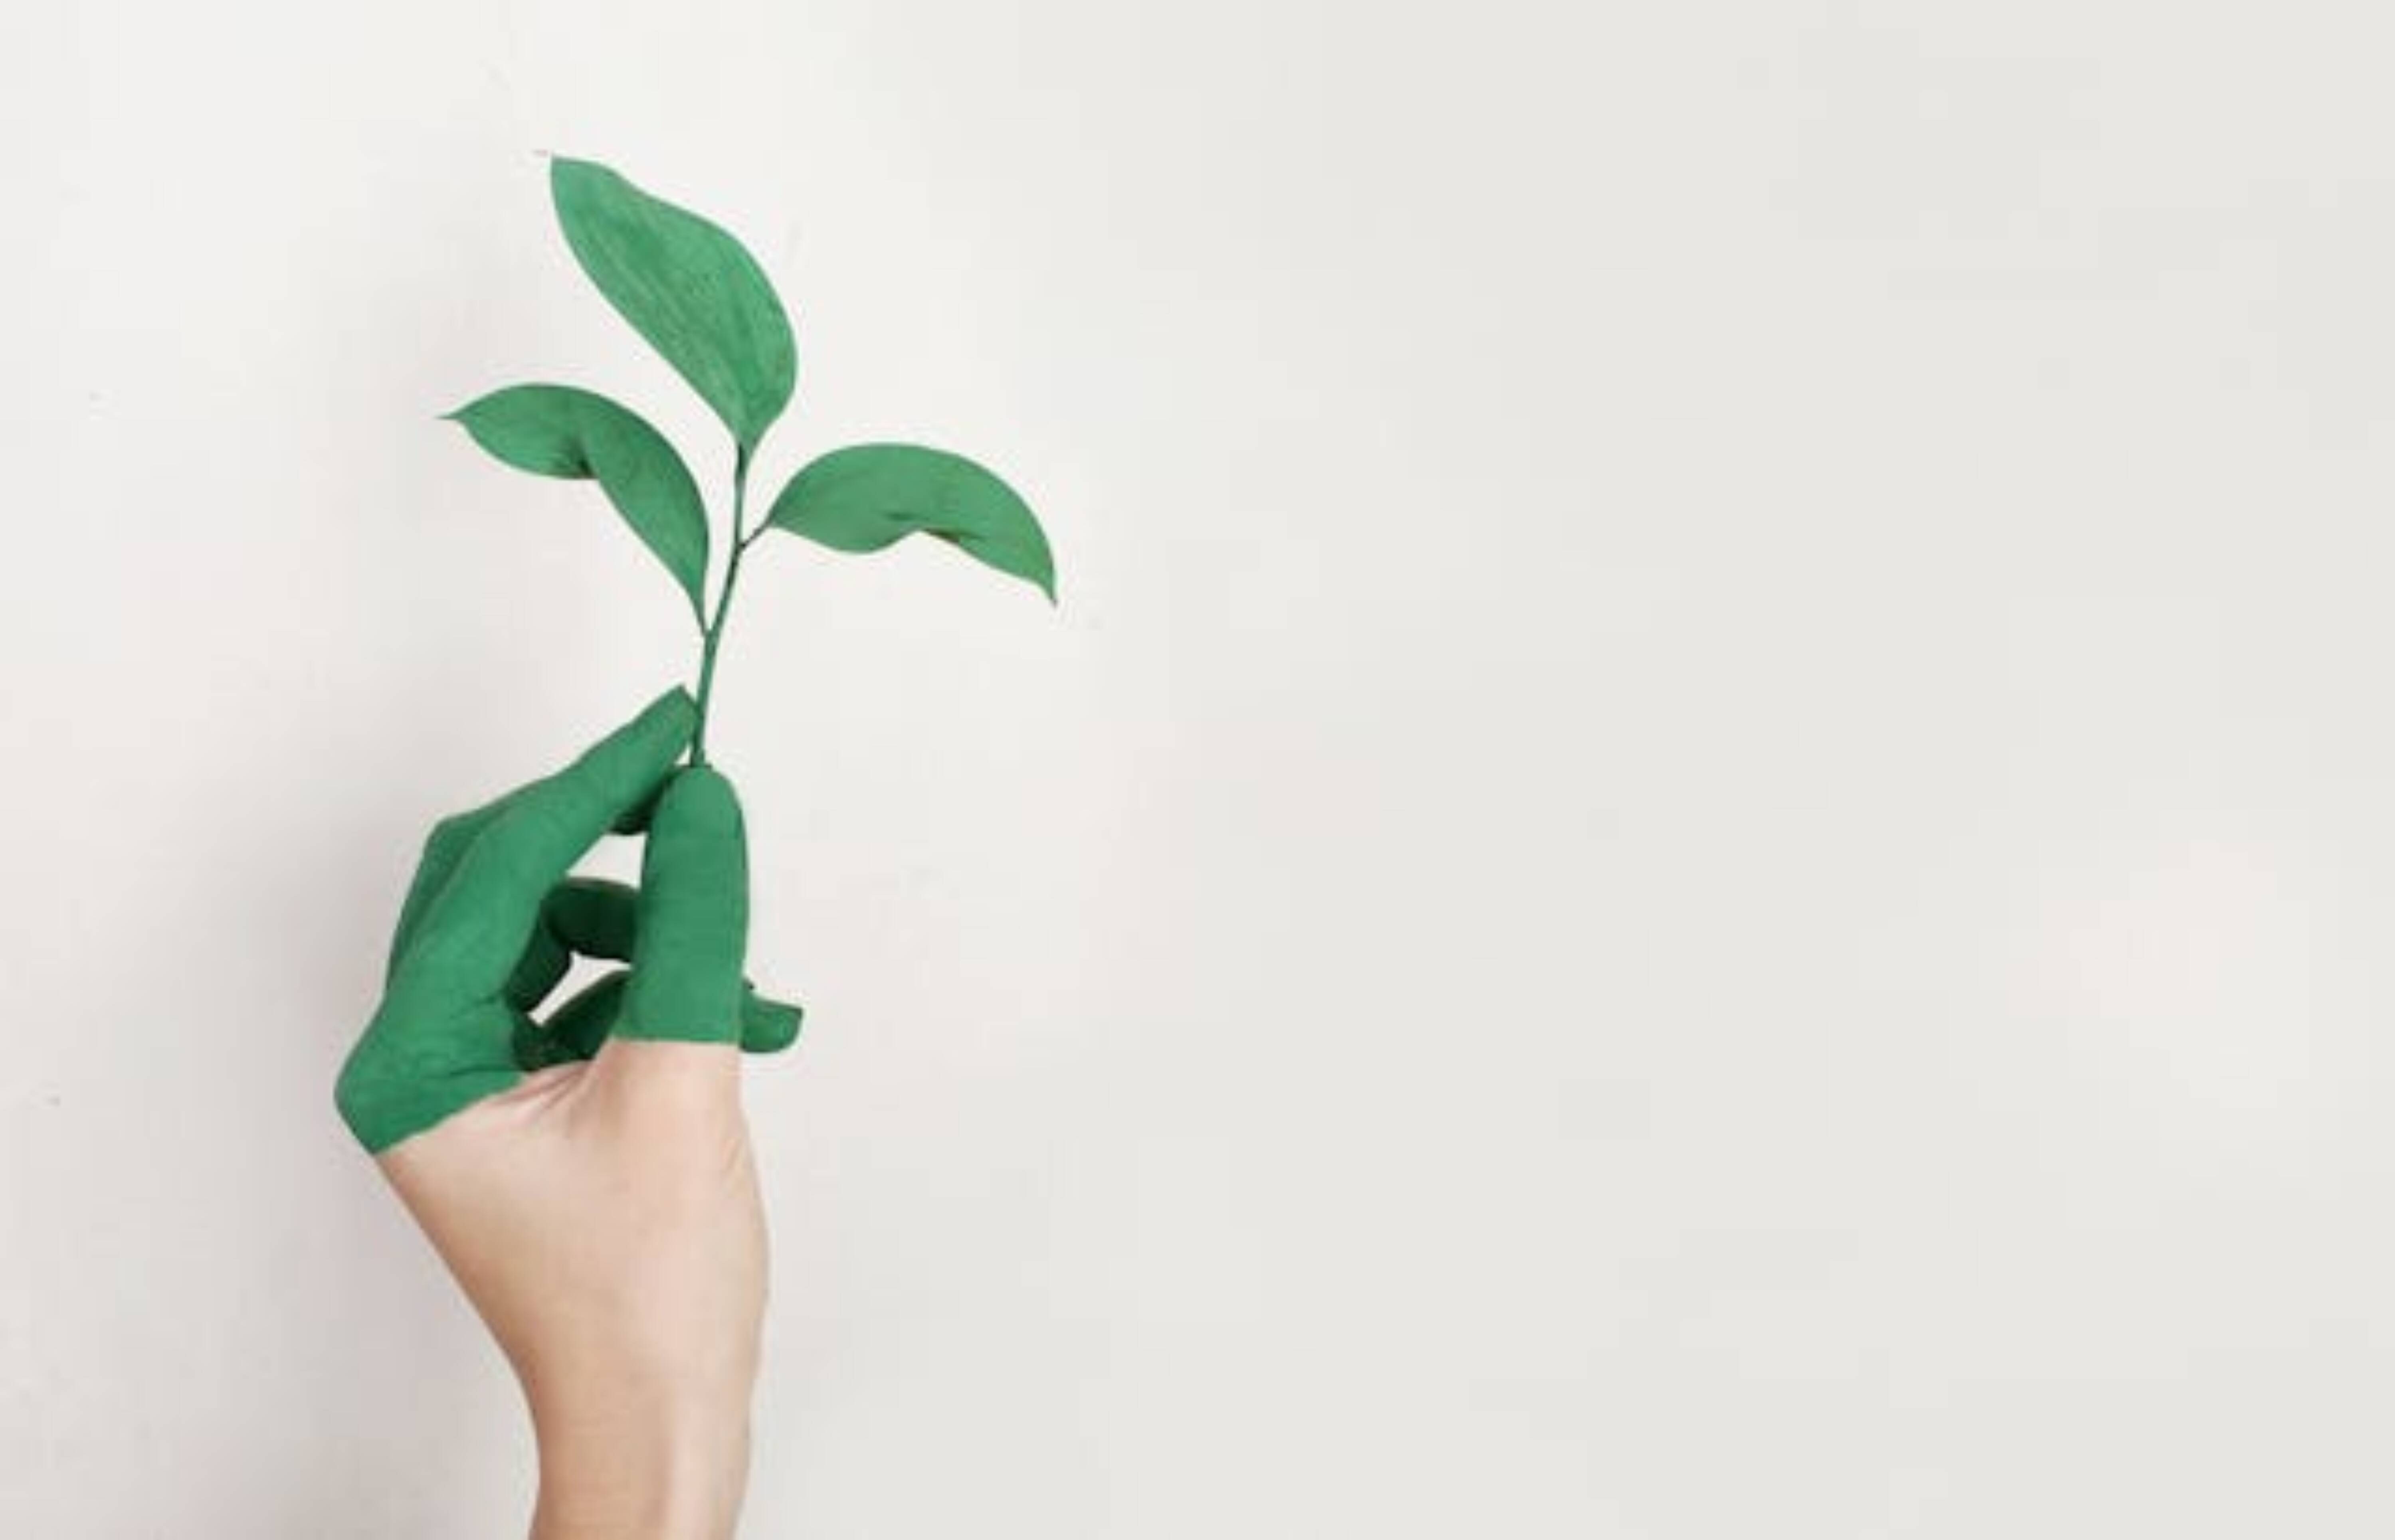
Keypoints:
pixel 866 497
pixel 562 430
pixel 688 286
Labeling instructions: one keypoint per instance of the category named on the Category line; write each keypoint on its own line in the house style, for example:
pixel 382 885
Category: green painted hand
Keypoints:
pixel 491 923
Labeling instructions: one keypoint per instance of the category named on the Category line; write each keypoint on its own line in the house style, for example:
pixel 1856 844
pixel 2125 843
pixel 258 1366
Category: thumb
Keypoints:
pixel 692 926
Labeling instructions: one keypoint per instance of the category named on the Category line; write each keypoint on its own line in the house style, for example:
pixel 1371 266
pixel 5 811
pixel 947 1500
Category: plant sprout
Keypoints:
pixel 698 297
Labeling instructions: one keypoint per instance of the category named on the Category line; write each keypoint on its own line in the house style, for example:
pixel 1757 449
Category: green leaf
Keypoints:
pixel 866 497
pixel 688 286
pixel 560 430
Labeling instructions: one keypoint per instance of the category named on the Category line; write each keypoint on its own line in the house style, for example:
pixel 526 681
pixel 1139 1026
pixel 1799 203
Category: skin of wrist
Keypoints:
pixel 614 1476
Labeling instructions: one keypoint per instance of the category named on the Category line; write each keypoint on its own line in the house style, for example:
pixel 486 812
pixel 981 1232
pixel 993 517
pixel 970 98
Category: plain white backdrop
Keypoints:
pixel 1701 851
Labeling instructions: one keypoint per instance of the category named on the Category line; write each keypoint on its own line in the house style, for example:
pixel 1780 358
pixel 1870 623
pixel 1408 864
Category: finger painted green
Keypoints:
pixel 444 1037
pixel 599 917
pixel 564 430
pixel 866 497
pixel 769 1025
pixel 688 286
pixel 693 926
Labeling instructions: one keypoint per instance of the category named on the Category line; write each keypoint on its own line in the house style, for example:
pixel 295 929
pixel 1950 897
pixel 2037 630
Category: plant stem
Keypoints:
pixel 723 604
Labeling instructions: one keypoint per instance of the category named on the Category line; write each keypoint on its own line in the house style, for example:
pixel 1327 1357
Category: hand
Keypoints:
pixel 588 1180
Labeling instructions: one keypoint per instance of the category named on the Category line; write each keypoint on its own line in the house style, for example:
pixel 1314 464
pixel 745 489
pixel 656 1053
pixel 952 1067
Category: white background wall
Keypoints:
pixel 1701 853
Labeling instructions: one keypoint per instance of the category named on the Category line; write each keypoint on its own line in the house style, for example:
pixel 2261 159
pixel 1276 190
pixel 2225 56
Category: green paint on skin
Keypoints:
pixel 492 920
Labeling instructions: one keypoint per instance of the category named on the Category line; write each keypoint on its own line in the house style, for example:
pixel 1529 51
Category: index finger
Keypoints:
pixel 496 889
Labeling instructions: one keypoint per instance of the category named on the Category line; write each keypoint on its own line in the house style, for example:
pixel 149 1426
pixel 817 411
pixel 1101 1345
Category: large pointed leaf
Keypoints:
pixel 866 497
pixel 560 430
pixel 688 286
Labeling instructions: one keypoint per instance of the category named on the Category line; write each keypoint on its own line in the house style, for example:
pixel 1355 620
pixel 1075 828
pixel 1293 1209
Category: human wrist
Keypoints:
pixel 621 1473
